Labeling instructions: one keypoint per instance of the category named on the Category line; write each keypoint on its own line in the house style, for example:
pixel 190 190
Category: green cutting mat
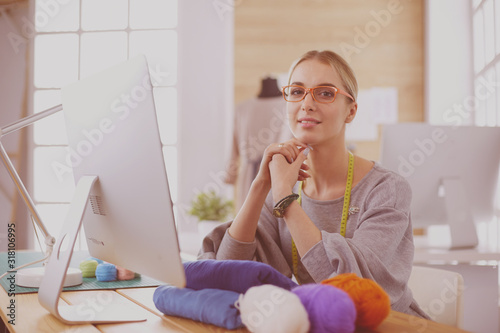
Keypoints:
pixel 78 256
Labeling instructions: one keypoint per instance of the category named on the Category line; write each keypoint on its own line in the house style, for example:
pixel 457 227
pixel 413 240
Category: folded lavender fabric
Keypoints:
pixel 234 275
pixel 210 306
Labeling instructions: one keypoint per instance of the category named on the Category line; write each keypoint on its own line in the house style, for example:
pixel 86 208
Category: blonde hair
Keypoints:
pixel 337 62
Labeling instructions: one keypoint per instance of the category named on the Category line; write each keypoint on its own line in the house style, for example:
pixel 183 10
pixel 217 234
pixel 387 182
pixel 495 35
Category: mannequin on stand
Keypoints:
pixel 258 122
pixel 269 88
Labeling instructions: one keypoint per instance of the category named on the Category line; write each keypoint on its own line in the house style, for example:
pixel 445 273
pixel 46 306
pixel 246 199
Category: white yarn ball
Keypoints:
pixel 270 309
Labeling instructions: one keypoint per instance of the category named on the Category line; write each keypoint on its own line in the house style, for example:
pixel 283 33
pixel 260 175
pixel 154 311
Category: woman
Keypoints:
pixel 352 216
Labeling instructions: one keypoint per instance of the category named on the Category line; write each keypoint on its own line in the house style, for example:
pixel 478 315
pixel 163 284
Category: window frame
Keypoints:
pixel 33 89
pixel 486 72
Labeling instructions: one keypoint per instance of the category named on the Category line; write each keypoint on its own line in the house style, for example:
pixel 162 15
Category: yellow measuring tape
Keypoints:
pixel 345 212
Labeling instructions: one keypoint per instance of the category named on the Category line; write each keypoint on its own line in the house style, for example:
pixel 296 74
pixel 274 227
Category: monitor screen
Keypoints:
pixel 113 134
pixel 451 170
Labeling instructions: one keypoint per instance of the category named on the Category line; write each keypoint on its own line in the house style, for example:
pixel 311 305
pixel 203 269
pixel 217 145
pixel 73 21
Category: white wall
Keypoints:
pixel 448 59
pixel 205 99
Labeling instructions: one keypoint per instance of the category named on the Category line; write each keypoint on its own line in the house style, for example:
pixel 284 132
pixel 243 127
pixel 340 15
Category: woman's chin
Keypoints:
pixel 307 139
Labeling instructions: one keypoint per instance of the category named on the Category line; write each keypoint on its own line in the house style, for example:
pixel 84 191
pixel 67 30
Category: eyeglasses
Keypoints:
pixel 321 94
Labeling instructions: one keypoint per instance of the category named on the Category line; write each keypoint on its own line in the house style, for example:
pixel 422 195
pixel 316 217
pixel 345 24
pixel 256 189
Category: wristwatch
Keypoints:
pixel 279 208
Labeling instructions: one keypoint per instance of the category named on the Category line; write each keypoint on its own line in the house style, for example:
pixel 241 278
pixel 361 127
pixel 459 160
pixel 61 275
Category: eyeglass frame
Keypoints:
pixel 311 92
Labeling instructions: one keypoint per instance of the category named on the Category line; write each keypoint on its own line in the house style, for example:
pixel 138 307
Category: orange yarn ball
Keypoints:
pixel 372 302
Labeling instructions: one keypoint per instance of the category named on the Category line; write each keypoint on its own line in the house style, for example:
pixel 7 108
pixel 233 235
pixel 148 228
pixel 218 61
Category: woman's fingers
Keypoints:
pixel 298 143
pixel 303 174
pixel 287 151
pixel 290 150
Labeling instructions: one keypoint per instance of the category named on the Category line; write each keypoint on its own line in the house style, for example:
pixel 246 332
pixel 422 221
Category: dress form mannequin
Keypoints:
pixel 258 121
pixel 269 88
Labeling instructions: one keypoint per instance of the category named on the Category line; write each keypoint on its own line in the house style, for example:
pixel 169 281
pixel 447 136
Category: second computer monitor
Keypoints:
pixel 453 173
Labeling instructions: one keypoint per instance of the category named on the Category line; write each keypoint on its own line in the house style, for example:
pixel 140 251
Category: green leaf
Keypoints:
pixel 210 206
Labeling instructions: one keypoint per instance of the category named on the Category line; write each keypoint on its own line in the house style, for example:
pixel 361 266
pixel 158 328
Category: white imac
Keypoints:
pixel 122 194
pixel 453 173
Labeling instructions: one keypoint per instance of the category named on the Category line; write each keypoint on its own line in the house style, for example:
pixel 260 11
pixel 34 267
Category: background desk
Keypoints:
pixel 462 256
pixel 31 317
pixel 479 268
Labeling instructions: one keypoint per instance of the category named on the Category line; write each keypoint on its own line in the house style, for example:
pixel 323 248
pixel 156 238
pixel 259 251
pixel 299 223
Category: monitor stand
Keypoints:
pixel 462 228
pixel 52 284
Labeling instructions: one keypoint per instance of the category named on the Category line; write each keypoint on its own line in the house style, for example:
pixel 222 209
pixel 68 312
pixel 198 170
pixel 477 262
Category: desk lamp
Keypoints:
pixel 31 277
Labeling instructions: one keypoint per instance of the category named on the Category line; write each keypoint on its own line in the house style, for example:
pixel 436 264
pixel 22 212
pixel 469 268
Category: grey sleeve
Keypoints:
pixel 265 248
pixel 381 247
pixel 219 244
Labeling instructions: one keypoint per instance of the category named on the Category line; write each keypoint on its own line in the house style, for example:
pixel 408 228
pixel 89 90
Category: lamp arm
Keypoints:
pixel 23 122
pixel 49 239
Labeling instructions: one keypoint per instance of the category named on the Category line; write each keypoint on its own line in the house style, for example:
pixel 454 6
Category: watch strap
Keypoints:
pixel 279 208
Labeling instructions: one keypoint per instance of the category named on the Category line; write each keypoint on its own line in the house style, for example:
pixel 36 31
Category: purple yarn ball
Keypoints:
pixel 329 309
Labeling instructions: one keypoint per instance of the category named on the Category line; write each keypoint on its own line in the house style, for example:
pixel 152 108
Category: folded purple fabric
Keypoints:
pixel 210 306
pixel 234 275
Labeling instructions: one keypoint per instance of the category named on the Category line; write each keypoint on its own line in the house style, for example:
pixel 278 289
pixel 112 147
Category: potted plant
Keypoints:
pixel 211 210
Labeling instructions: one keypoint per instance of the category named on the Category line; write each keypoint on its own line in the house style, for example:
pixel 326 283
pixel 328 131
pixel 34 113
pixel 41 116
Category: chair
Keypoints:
pixel 439 293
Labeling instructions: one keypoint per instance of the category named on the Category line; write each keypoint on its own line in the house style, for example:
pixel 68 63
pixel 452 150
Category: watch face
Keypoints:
pixel 278 212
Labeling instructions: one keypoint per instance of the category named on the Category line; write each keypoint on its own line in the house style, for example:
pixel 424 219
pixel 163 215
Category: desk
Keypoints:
pixel 31 317
pixel 479 268
pixel 466 256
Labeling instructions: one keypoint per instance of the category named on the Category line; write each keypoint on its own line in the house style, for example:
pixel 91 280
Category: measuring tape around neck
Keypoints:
pixel 345 212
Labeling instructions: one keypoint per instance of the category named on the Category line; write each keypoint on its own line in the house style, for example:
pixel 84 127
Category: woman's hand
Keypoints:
pixel 286 172
pixel 289 151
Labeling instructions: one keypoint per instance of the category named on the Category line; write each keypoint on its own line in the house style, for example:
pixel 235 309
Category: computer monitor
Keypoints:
pixel 122 194
pixel 453 173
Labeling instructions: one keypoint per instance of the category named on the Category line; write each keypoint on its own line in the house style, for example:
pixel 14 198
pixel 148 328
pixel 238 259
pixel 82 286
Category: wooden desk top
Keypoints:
pixel 31 317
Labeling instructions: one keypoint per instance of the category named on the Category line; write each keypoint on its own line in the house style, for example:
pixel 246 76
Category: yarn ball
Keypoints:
pixel 105 272
pixel 88 268
pixel 99 261
pixel 124 274
pixel 329 309
pixel 372 302
pixel 271 309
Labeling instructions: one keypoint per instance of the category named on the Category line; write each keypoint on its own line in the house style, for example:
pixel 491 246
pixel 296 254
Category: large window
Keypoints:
pixel 77 38
pixel 486 45
pixel 486 53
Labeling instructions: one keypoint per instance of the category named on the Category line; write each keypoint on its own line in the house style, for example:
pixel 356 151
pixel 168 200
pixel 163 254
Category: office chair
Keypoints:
pixel 439 293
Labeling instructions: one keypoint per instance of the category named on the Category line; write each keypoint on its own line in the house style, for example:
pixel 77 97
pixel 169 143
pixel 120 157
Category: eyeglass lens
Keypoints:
pixel 321 94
